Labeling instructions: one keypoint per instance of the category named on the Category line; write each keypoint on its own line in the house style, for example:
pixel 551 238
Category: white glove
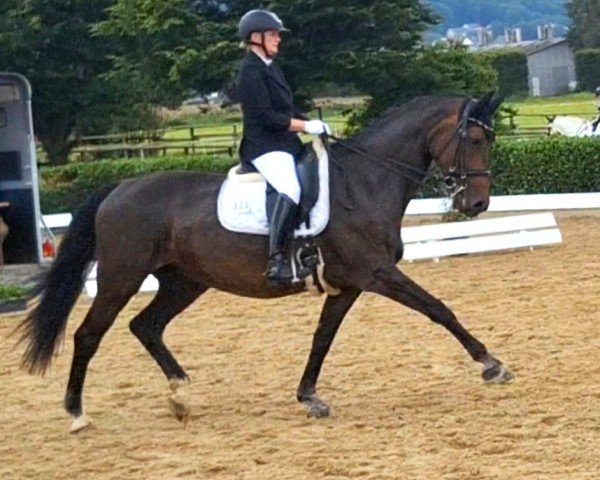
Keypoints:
pixel 316 127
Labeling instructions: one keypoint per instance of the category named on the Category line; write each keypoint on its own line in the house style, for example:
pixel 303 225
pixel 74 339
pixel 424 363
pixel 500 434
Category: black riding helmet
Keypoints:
pixel 259 21
pixel 598 91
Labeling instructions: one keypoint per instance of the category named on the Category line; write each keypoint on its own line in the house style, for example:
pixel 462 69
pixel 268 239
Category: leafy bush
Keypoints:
pixel 587 64
pixel 546 165
pixel 64 188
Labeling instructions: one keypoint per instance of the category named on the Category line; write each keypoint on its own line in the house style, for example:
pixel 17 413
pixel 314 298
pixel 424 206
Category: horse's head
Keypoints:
pixel 461 146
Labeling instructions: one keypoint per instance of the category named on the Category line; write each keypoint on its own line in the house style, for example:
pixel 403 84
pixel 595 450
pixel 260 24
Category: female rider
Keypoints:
pixel 270 140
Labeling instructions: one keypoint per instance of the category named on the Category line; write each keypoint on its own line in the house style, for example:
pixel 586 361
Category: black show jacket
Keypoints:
pixel 267 106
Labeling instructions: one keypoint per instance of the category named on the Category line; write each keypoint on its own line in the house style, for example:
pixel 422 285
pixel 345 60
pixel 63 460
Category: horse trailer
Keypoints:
pixel 19 194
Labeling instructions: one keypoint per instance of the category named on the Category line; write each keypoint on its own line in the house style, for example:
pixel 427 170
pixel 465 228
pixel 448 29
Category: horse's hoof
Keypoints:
pixel 315 408
pixel 79 423
pixel 497 374
pixel 179 409
pixel 178 402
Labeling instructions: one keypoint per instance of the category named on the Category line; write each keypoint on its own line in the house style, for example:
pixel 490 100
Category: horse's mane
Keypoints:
pixel 420 106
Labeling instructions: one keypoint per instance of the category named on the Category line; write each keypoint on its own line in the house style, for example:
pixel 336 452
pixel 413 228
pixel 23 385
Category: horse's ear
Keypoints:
pixel 486 107
pixel 495 102
pixel 480 108
pixel 485 99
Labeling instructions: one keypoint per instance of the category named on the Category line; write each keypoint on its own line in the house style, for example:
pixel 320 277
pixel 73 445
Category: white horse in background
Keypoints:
pixel 573 127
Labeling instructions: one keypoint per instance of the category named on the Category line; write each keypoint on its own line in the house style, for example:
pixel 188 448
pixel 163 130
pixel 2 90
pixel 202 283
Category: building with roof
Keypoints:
pixel 550 67
pixel 550 60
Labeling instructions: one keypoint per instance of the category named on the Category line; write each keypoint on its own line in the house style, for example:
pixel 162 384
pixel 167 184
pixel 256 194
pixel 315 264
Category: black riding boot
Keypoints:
pixel 281 225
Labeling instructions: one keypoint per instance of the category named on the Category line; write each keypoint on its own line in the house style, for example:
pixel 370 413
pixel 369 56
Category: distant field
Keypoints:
pixel 209 128
pixel 531 112
pixel 220 125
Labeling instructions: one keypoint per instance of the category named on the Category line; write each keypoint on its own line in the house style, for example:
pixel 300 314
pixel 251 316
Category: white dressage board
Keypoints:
pixel 431 206
pixel 150 284
pixel 445 239
pixel 477 236
pixel 513 203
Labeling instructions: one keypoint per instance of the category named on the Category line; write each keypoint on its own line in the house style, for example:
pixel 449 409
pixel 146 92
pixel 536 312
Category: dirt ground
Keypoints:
pixel 407 401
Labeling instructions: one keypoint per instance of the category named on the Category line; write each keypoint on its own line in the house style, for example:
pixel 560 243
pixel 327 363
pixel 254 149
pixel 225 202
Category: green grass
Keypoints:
pixel 532 111
pixel 12 292
pixel 215 128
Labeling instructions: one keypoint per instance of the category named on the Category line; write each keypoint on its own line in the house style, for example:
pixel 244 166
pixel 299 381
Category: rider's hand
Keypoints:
pixel 316 127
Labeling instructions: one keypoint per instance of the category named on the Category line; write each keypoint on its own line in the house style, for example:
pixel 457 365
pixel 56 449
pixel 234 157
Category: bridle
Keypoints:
pixel 455 180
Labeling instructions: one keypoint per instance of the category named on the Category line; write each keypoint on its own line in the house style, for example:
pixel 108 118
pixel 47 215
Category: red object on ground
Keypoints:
pixel 48 249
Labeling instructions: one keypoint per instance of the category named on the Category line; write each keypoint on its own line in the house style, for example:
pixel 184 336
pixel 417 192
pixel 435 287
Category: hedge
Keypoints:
pixel 511 66
pixel 587 64
pixel 543 165
pixel 64 188
pixel 546 165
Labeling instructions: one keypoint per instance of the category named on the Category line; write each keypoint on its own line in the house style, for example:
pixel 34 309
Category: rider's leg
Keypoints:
pixel 281 228
pixel 280 172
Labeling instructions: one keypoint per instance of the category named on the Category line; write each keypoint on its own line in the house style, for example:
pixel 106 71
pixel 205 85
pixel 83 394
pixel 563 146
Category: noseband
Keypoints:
pixel 455 181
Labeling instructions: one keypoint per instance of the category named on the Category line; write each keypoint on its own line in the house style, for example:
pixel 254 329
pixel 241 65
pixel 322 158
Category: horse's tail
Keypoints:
pixel 58 289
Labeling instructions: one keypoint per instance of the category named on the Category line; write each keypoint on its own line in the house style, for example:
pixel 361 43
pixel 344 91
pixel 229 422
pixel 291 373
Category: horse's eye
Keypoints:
pixel 476 141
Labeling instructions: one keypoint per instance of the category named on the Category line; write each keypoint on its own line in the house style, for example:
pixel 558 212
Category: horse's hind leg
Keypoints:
pixel 392 283
pixel 175 293
pixel 111 298
pixel 333 313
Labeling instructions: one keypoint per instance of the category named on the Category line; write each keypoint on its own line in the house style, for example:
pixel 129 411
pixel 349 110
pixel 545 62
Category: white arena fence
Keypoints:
pixel 478 236
pixel 452 238
pixel 514 203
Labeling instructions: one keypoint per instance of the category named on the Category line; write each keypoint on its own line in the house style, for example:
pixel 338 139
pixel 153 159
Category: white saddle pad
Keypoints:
pixel 241 206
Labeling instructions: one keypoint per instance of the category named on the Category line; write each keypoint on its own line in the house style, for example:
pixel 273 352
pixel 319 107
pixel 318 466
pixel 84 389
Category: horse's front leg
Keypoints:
pixel 333 313
pixel 393 284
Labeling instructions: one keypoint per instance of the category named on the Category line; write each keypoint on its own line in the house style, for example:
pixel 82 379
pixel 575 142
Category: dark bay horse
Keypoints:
pixel 166 224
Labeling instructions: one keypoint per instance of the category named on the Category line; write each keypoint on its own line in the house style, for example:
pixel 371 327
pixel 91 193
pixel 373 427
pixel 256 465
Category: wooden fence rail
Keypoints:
pixel 199 138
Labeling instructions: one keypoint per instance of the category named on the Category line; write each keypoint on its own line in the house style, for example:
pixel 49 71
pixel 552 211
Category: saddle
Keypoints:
pixel 307 171
pixel 245 200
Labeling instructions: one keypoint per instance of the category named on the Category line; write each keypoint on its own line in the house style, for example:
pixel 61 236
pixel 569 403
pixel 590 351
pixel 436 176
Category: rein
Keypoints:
pixel 454 181
pixel 388 163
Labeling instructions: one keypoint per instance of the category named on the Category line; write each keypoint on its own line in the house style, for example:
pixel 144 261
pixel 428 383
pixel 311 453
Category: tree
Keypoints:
pixel 166 48
pixel 364 43
pixel 97 65
pixel 51 43
pixel 432 71
pixel 100 65
pixel 361 43
pixel 585 18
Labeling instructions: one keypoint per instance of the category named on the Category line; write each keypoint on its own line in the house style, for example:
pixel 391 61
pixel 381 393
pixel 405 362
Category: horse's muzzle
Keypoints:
pixel 471 205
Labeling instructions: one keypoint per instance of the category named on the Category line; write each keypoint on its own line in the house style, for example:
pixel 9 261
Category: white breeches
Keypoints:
pixel 279 169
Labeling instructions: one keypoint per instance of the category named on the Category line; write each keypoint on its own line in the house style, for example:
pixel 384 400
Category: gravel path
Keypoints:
pixel 22 275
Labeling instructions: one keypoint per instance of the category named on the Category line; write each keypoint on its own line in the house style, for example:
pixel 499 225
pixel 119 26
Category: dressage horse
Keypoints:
pixel 166 224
